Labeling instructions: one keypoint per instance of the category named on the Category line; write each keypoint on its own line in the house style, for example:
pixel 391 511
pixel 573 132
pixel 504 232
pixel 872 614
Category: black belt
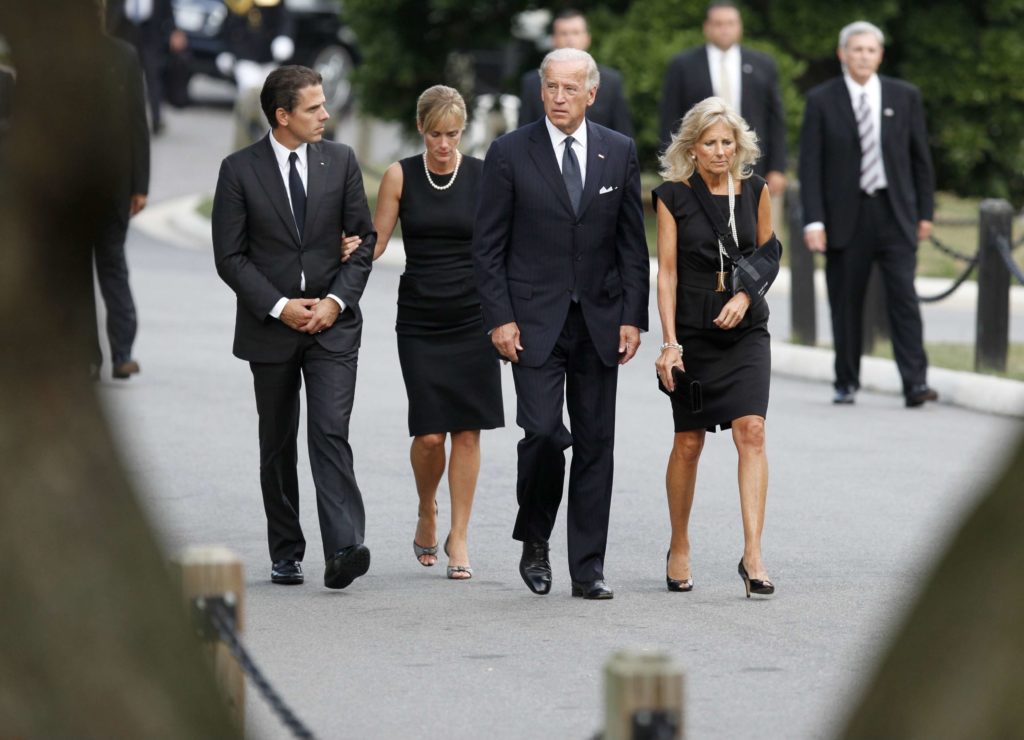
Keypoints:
pixel 880 191
pixel 703 280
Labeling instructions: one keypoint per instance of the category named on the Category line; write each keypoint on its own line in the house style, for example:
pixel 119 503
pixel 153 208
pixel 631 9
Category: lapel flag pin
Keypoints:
pixel 600 156
pixel 889 112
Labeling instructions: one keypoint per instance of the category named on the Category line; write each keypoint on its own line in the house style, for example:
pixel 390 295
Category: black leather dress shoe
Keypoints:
pixel 535 568
pixel 346 565
pixel 918 394
pixel 288 572
pixel 592 590
pixel 844 395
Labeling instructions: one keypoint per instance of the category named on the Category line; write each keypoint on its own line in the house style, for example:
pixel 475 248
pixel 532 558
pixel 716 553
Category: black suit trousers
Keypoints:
pixel 575 372
pixel 330 388
pixel 112 275
pixel 877 238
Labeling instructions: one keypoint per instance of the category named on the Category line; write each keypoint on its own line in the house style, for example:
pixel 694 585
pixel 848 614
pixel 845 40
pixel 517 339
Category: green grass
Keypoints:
pixel 960 357
pixel 205 207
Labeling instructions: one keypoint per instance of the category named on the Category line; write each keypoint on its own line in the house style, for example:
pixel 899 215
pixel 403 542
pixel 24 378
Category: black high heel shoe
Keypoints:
pixel 753 585
pixel 674 584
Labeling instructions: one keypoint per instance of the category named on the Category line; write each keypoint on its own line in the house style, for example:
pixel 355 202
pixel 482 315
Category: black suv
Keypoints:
pixel 322 41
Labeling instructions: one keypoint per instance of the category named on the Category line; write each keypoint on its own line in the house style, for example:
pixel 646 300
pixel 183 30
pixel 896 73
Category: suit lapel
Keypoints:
pixel 704 75
pixel 317 166
pixel 543 155
pixel 269 175
pixel 841 100
pixel 596 157
pixel 746 82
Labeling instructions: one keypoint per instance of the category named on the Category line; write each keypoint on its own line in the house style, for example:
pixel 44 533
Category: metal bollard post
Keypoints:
pixel 992 326
pixel 803 319
pixel 217 572
pixel 643 696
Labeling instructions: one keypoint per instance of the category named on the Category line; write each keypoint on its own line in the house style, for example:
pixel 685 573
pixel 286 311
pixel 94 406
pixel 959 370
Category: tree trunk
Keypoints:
pixel 93 638
pixel 956 667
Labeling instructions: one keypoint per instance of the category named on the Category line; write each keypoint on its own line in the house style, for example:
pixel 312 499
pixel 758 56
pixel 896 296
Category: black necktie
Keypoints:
pixel 297 192
pixel 571 174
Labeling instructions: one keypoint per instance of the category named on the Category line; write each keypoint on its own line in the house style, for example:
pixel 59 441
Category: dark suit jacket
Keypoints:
pixel 610 108
pixel 248 36
pixel 260 255
pixel 154 33
pixel 688 81
pixel 125 143
pixel 830 159
pixel 531 251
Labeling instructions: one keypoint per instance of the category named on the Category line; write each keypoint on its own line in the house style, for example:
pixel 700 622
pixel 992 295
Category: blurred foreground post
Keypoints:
pixel 643 697
pixel 217 572
pixel 802 308
pixel 992 328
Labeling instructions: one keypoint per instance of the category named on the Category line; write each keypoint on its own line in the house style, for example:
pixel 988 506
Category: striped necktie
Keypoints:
pixel 871 172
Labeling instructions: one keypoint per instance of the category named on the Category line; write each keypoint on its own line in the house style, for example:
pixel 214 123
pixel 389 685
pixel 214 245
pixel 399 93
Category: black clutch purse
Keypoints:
pixel 687 387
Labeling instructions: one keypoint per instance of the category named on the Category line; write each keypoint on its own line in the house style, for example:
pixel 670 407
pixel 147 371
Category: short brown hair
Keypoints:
pixel 437 103
pixel 281 90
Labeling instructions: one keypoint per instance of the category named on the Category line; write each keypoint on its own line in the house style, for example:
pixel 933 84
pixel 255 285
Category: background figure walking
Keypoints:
pixel 868 192
pixel 451 374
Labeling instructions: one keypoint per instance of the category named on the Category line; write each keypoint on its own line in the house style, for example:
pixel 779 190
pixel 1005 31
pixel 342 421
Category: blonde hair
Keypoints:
pixel 438 103
pixel 677 163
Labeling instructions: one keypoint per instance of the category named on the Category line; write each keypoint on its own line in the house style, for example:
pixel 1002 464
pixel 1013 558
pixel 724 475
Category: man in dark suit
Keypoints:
pixel 563 273
pixel 148 25
pixel 124 149
pixel 867 187
pixel 610 109
pixel 280 209
pixel 744 78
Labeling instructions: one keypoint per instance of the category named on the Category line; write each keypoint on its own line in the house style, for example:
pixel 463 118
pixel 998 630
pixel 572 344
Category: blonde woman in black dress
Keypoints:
pixel 451 373
pixel 719 338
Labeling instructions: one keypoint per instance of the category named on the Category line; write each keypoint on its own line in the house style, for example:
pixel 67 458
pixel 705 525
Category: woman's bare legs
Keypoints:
pixel 680 482
pixel 748 434
pixel 428 461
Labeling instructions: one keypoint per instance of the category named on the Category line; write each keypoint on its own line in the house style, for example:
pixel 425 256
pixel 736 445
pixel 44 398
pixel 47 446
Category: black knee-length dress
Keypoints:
pixel 451 372
pixel 732 365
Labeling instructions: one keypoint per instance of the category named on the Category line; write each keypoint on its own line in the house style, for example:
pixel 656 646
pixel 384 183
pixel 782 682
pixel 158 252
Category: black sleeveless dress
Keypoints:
pixel 451 372
pixel 732 365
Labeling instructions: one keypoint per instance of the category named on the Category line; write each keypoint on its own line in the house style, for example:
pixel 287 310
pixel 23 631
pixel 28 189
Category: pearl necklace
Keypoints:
pixel 455 172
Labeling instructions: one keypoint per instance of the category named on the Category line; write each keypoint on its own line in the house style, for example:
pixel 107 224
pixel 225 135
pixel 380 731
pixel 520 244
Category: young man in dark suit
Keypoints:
pixel 867 186
pixel 563 273
pixel 744 78
pixel 279 212
pixel 610 109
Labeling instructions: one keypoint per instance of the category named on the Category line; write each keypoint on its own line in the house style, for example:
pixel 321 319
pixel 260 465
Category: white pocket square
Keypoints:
pixel 606 189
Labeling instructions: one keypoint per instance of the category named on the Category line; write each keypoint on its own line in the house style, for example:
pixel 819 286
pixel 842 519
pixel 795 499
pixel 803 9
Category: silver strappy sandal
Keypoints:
pixel 453 569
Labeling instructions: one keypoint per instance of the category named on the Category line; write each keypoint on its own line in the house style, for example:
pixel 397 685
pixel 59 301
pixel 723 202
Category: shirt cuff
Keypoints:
pixel 814 226
pixel 275 312
pixel 341 303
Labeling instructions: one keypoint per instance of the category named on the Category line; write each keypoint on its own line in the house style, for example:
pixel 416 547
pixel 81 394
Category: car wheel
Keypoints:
pixel 335 64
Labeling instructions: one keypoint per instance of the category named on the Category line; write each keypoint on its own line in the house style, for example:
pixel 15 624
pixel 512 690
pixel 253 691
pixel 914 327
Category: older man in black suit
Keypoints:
pixel 563 273
pixel 610 109
pixel 279 212
pixel 744 78
pixel 867 187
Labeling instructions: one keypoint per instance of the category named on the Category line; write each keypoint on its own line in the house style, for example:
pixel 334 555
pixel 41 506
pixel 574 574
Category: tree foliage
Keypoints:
pixel 966 58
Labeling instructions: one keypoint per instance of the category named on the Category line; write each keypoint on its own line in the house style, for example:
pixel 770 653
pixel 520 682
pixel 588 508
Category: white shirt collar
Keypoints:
pixel 282 152
pixel 731 54
pixel 872 87
pixel 558 136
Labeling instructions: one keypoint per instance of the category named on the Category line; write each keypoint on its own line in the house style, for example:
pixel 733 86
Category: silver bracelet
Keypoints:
pixel 673 345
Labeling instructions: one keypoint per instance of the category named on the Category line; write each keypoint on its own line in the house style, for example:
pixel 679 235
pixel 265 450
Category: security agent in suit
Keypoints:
pixel 610 109
pixel 744 78
pixel 125 150
pixel 279 212
pixel 148 25
pixel 563 274
pixel 867 187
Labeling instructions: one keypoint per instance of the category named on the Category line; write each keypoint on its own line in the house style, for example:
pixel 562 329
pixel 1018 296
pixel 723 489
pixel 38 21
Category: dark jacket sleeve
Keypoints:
pixel 775 156
pixel 351 279
pixel 530 106
pixel 670 110
pixel 631 242
pixel 921 160
pixel 491 233
pixel 811 158
pixel 621 121
pixel 138 124
pixel 230 246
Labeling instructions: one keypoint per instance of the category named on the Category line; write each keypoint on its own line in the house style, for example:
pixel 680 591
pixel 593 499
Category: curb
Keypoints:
pixel 177 222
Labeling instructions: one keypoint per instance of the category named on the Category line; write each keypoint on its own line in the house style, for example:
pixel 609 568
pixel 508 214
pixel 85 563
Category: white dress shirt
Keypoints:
pixel 138 11
pixel 732 63
pixel 579 145
pixel 873 87
pixel 282 154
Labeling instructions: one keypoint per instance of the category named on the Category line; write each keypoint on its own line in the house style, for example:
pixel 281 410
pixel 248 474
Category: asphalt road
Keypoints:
pixel 861 500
